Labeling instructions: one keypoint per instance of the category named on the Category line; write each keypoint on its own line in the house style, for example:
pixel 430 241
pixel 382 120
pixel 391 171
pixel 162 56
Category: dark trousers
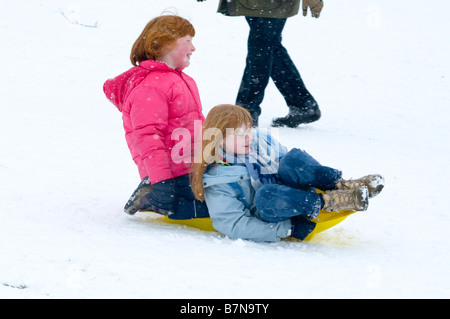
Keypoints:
pixel 300 174
pixel 188 207
pixel 267 58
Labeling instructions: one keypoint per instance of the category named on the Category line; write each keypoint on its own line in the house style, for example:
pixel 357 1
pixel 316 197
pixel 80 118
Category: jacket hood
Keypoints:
pixel 119 88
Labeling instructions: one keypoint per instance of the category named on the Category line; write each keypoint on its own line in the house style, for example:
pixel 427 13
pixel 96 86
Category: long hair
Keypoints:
pixel 159 33
pixel 218 120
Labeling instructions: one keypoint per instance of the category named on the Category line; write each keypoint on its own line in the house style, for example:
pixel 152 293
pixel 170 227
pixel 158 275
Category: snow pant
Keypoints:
pixel 300 175
pixel 267 58
pixel 188 207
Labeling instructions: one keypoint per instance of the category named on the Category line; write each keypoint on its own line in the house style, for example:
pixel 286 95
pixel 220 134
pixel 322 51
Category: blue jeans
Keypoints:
pixel 295 195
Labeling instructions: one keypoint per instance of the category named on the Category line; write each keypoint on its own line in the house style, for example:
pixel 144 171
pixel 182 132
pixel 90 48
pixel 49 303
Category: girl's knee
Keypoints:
pixel 275 203
pixel 299 169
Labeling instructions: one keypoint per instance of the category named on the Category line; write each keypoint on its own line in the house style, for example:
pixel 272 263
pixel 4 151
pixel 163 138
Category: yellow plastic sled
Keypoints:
pixel 324 221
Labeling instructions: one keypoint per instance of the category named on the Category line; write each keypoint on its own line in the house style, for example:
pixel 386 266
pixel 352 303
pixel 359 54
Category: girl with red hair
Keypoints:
pixel 155 98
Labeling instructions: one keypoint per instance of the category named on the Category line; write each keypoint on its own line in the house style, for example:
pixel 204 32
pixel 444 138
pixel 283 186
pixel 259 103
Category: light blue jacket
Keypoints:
pixel 232 209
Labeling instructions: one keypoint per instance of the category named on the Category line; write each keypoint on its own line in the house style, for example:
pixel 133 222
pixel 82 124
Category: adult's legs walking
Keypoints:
pixel 264 38
pixel 303 108
pixel 267 58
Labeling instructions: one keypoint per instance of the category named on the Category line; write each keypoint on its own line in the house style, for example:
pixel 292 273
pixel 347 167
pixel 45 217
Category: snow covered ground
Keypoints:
pixel 380 72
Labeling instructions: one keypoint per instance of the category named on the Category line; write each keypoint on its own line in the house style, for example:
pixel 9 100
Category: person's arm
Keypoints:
pixel 149 118
pixel 232 218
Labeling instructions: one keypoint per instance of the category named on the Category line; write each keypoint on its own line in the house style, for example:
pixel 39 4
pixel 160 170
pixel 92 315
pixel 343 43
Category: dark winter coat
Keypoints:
pixel 260 8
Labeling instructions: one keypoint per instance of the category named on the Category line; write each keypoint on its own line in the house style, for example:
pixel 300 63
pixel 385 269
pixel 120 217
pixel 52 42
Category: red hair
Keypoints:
pixel 159 33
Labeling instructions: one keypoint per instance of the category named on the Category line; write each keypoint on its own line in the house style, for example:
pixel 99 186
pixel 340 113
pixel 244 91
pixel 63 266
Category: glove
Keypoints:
pixel 301 227
pixel 314 5
pixel 163 197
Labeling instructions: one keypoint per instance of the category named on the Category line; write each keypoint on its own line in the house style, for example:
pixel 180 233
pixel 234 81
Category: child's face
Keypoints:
pixel 238 141
pixel 178 57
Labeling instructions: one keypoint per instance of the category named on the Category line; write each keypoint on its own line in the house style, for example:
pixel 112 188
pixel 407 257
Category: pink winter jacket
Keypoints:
pixel 155 100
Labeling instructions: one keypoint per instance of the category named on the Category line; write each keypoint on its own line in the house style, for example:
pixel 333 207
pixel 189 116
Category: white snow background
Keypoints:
pixel 380 72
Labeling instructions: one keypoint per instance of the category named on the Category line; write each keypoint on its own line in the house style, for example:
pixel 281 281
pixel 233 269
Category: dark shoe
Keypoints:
pixel 309 112
pixel 297 117
pixel 135 203
pixel 255 118
pixel 255 122
pixel 254 112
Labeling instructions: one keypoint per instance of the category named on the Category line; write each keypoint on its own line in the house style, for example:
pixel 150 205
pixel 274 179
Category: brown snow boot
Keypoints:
pixel 374 184
pixel 352 199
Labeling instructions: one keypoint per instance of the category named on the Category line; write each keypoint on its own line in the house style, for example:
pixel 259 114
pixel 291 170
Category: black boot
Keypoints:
pixel 135 203
pixel 255 117
pixel 254 112
pixel 304 115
